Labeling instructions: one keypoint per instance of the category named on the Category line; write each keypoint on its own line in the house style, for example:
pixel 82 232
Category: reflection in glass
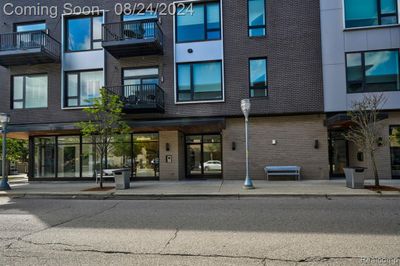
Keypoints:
pixel 146 154
pixel 31 27
pixel 79 34
pixel 207 83
pixel 44 157
pixel 193 160
pixel 354 72
pixel 68 156
pixel 395 151
pixel 257 18
pixel 213 21
pixel 382 70
pixel 30 91
pixel 190 27
pixel 184 91
pixel 258 78
pixel 90 86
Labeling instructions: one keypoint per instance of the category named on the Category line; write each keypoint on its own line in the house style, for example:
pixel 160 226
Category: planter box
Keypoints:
pixel 355 177
pixel 122 179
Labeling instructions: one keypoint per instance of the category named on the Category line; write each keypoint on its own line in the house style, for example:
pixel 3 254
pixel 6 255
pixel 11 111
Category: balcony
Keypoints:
pixel 133 38
pixel 28 48
pixel 145 98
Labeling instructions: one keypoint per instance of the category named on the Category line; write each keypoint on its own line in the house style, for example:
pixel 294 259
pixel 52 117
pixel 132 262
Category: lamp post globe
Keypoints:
pixel 246 106
pixel 4 120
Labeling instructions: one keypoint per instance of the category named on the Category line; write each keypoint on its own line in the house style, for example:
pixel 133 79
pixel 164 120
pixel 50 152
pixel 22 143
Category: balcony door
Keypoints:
pixel 138 79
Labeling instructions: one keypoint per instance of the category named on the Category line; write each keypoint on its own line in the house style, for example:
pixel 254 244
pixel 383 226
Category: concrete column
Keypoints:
pixel 172 162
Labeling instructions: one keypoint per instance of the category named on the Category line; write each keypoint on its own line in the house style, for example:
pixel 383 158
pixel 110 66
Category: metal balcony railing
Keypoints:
pixel 30 40
pixel 137 29
pixel 137 97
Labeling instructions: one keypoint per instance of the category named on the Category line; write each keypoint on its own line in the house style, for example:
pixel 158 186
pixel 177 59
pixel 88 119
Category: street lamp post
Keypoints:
pixel 245 104
pixel 4 120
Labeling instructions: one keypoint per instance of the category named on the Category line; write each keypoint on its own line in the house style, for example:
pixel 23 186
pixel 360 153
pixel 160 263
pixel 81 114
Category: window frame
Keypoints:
pixel 66 43
pixel 78 72
pixel 23 100
pixel 192 83
pixel 249 77
pixel 256 27
pixel 363 81
pixel 379 14
pixel 15 25
pixel 205 26
pixel 123 77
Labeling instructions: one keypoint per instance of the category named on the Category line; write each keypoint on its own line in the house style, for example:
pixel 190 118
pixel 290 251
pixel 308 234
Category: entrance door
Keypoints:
pixel 203 156
pixel 338 153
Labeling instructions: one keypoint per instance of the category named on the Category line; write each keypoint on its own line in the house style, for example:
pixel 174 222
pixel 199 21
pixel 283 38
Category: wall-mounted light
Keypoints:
pixel 316 144
pixel 380 141
pixel 167 148
pixel 360 156
pixel 190 51
pixel 234 146
pixel 274 142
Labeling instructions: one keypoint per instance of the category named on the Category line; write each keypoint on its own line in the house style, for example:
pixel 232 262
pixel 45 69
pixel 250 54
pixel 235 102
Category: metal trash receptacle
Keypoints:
pixel 122 179
pixel 355 177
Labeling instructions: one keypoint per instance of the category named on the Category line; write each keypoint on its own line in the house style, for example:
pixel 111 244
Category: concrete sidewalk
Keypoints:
pixel 192 189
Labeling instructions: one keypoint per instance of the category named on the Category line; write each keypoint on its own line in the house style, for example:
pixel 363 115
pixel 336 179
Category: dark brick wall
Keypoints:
pixel 292 46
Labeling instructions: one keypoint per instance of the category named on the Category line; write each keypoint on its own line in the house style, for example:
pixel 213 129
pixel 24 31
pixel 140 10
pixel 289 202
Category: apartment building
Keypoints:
pixel 360 55
pixel 182 77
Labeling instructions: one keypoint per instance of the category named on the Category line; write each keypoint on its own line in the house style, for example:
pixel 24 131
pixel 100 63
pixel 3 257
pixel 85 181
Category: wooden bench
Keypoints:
pixel 283 171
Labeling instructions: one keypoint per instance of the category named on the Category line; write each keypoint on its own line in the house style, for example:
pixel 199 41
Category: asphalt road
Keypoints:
pixel 269 231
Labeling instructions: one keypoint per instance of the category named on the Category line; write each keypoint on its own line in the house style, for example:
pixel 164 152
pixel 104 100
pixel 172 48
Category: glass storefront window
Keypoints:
pixel 76 156
pixel 68 157
pixel 44 161
pixel 146 155
pixel 395 150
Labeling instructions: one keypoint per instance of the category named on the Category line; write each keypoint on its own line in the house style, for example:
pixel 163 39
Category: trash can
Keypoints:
pixel 355 177
pixel 122 179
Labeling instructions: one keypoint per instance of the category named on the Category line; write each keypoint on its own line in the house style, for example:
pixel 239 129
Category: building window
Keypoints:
pixel 29 91
pixel 258 77
pixel 83 33
pixel 374 71
pixel 202 22
pixel 199 81
pixel 138 79
pixel 362 13
pixel 83 87
pixel 257 18
pixel 395 150
pixel 30 27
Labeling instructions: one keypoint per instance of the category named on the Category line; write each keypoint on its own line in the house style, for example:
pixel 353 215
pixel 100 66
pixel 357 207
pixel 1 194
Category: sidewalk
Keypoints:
pixel 192 189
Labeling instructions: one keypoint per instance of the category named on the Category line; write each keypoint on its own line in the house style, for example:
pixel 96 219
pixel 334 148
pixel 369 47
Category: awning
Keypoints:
pixel 187 125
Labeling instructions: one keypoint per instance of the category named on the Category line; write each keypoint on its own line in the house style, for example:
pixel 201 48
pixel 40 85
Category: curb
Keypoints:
pixel 113 196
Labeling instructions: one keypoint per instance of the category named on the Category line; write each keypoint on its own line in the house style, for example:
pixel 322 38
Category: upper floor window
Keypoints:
pixel 202 22
pixel 258 77
pixel 83 87
pixel 36 26
pixel 29 91
pixel 374 71
pixel 257 18
pixel 199 81
pixel 83 33
pixel 362 13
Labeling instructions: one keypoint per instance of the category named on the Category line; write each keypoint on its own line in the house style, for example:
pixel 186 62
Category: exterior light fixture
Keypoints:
pixel 245 105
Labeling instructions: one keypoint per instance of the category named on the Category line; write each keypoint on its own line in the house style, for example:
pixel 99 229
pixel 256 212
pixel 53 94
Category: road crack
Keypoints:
pixel 172 238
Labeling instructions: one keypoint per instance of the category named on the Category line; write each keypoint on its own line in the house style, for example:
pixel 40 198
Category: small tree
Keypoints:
pixel 105 122
pixel 365 130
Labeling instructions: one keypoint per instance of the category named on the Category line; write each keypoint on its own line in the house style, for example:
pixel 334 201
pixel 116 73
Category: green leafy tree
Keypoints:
pixel 17 150
pixel 105 123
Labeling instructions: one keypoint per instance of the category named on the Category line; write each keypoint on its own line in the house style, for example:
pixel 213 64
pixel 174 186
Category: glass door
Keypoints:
pixel 338 153
pixel 203 156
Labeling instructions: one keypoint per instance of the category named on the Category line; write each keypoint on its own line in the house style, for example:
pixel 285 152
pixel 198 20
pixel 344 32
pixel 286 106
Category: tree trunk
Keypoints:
pixel 101 170
pixel 375 169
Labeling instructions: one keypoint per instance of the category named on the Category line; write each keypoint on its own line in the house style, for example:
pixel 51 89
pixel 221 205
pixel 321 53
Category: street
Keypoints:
pixel 259 231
